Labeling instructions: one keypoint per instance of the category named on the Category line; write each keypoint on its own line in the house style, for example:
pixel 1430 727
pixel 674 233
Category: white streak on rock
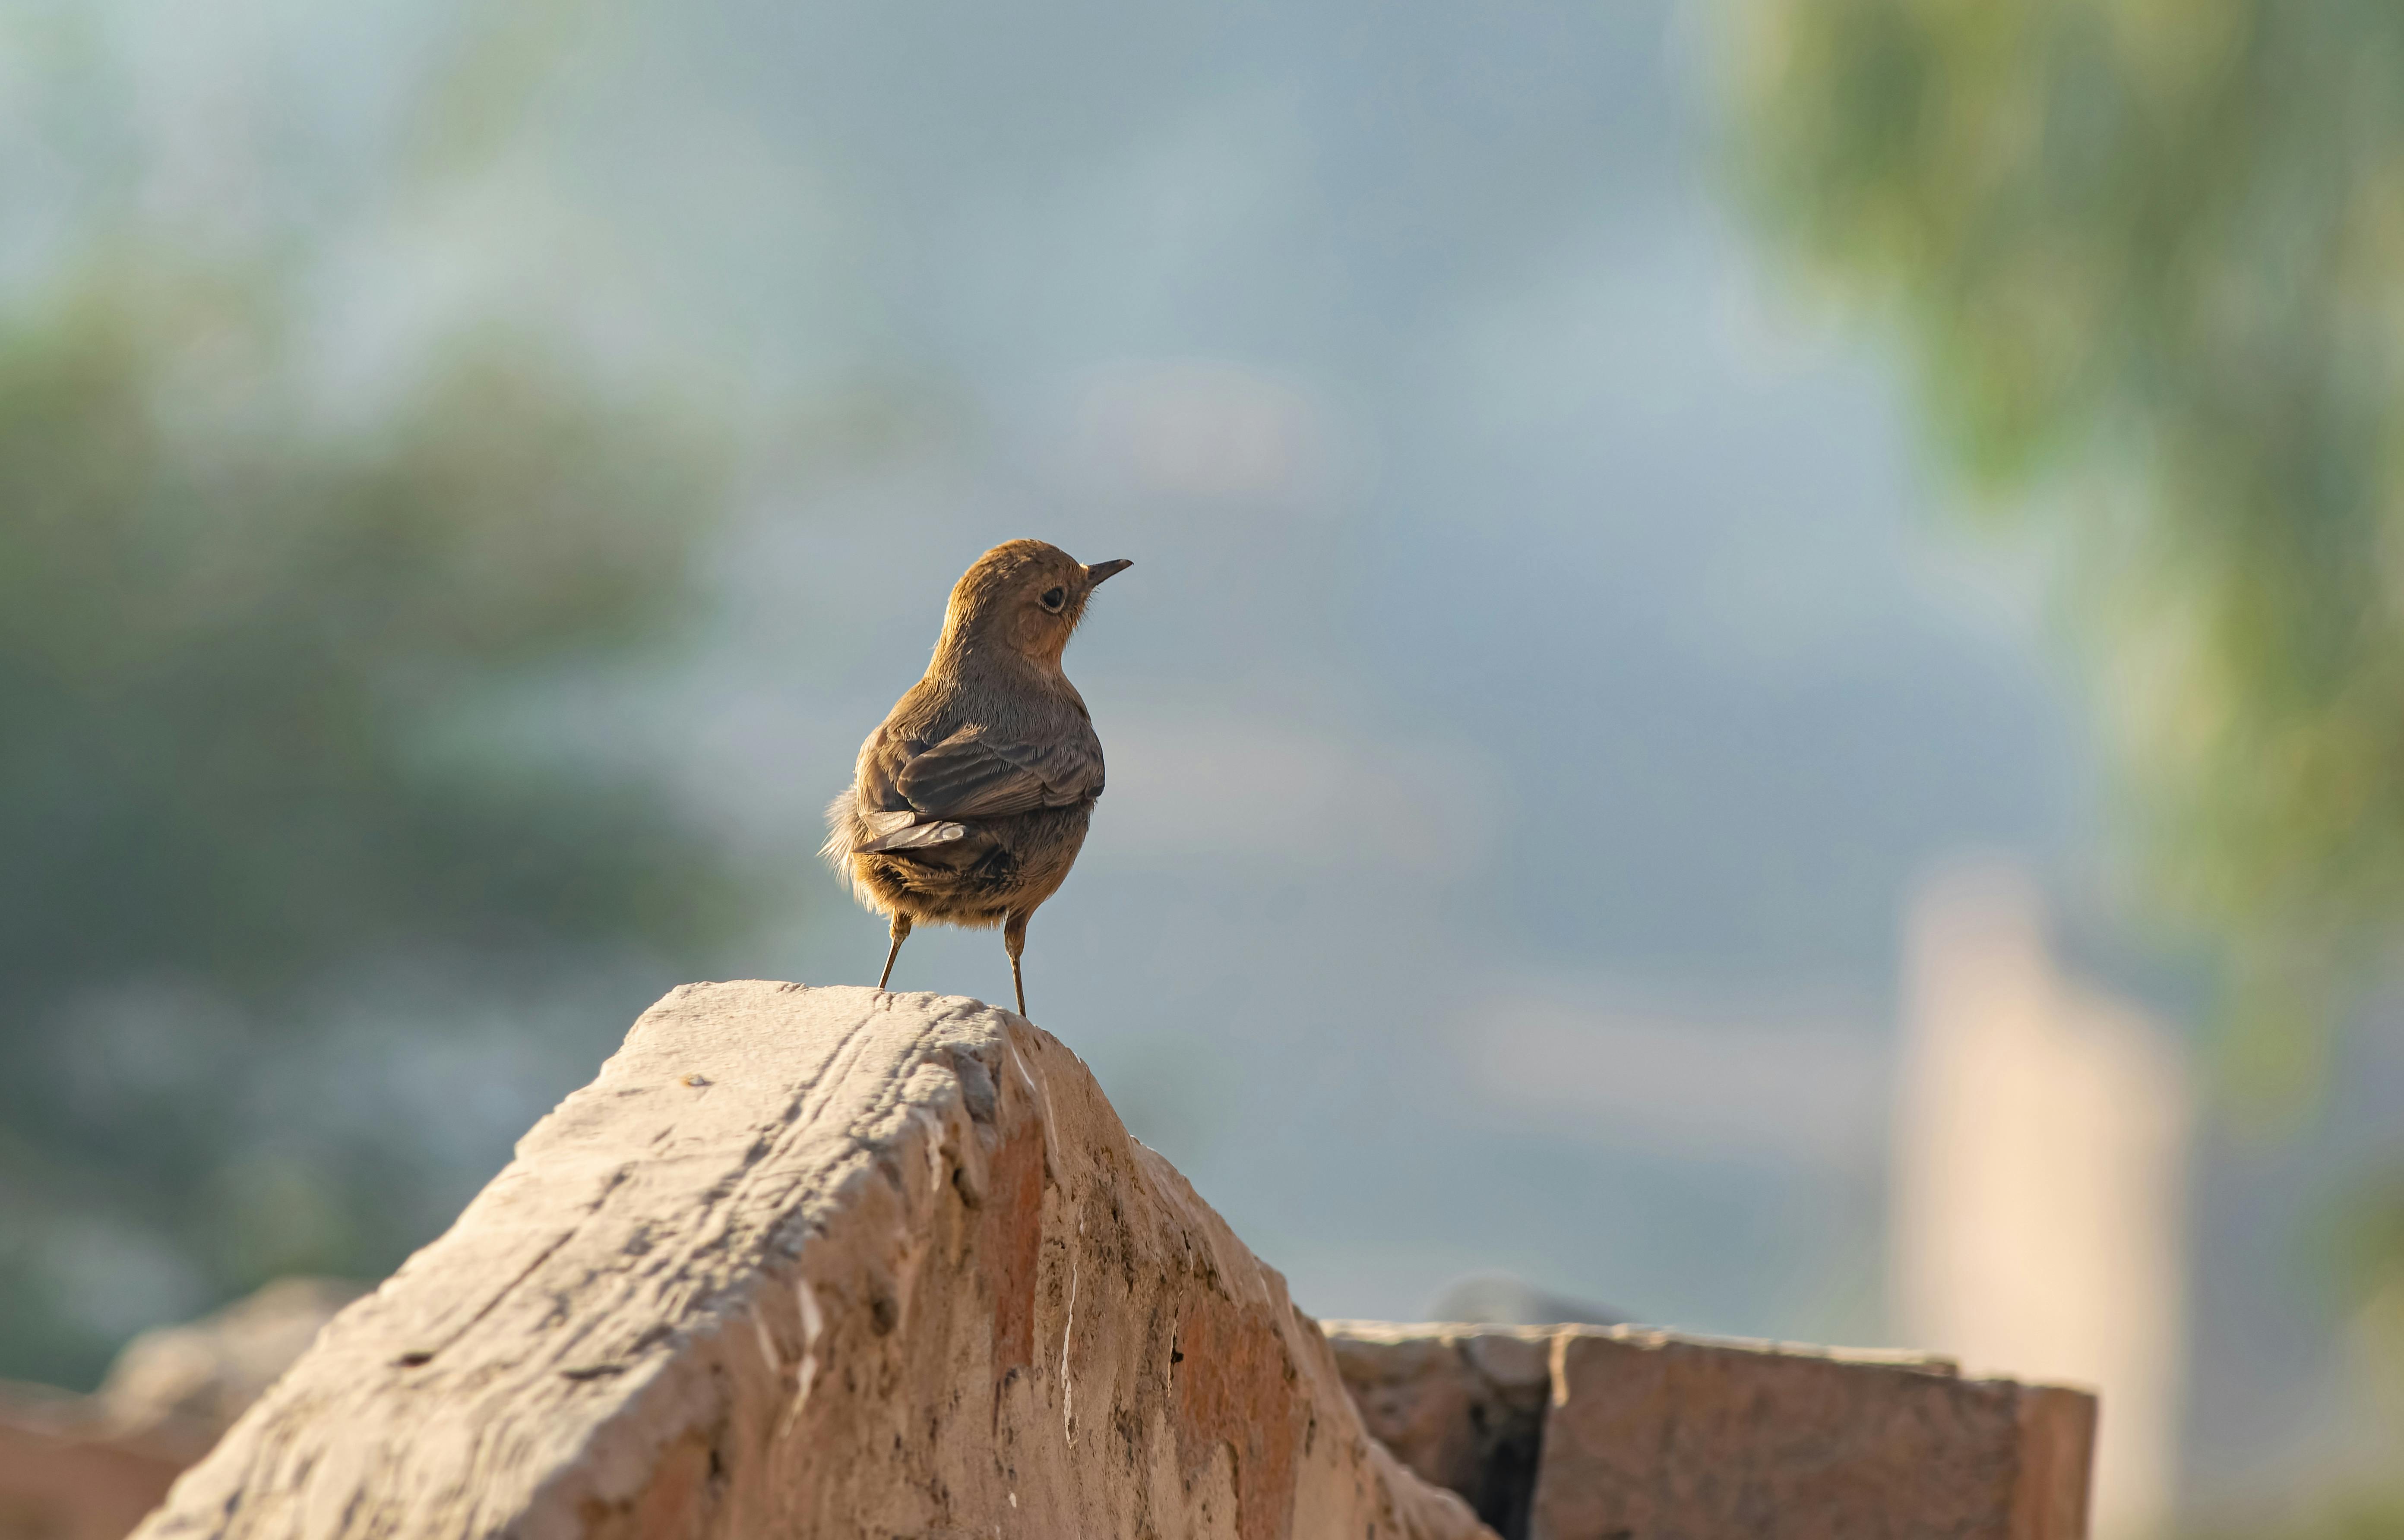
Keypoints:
pixel 1068 1386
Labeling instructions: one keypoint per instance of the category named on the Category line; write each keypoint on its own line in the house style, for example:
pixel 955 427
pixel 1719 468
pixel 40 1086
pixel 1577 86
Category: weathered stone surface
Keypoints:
pixel 1646 1435
pixel 820 1262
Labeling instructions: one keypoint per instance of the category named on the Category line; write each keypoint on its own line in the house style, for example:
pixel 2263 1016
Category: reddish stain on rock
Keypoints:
pixel 1009 1246
pixel 1234 1385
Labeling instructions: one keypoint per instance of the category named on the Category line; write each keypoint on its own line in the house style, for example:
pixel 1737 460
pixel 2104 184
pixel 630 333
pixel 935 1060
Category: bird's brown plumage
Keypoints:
pixel 970 802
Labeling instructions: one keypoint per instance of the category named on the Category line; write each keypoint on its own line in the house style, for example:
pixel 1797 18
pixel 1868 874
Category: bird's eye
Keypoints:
pixel 1053 599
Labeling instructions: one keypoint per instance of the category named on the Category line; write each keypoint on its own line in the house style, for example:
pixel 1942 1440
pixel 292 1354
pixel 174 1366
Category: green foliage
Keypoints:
pixel 2149 257
pixel 2360 1518
pixel 264 697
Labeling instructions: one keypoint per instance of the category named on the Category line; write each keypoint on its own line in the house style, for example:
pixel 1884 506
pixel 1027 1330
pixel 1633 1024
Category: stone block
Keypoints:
pixel 1641 1434
pixel 1652 1437
pixel 65 1474
pixel 88 1467
pixel 820 1262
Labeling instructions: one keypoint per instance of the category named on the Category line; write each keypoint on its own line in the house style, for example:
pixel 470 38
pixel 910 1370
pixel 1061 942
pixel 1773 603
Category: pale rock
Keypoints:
pixel 820 1262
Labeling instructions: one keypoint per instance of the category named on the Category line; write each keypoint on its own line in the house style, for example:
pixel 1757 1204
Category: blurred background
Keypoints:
pixel 1763 688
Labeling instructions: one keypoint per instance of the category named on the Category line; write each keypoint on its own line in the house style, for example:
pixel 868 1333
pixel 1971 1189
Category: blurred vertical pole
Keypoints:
pixel 2039 1179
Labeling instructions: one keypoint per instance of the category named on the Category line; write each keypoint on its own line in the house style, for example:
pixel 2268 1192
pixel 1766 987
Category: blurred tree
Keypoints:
pixel 262 700
pixel 2150 258
pixel 290 760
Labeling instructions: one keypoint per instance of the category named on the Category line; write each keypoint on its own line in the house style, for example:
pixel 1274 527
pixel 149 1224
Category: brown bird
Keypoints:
pixel 970 804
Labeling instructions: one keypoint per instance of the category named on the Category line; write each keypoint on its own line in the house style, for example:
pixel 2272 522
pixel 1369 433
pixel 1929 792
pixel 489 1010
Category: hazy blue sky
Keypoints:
pixel 1545 670
pixel 1533 630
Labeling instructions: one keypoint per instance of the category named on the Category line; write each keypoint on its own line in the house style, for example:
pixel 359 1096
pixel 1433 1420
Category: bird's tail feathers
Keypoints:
pixel 843 832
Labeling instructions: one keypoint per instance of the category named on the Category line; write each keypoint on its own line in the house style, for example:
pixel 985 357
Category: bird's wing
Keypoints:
pixel 971 775
pixel 908 836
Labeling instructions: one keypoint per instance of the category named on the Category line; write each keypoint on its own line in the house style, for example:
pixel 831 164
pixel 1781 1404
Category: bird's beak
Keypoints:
pixel 1100 570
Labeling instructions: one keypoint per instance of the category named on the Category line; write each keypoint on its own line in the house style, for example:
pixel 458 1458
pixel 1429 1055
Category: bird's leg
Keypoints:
pixel 900 934
pixel 1014 941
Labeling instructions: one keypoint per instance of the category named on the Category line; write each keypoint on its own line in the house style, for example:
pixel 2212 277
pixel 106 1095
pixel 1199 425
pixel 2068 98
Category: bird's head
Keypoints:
pixel 1025 597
